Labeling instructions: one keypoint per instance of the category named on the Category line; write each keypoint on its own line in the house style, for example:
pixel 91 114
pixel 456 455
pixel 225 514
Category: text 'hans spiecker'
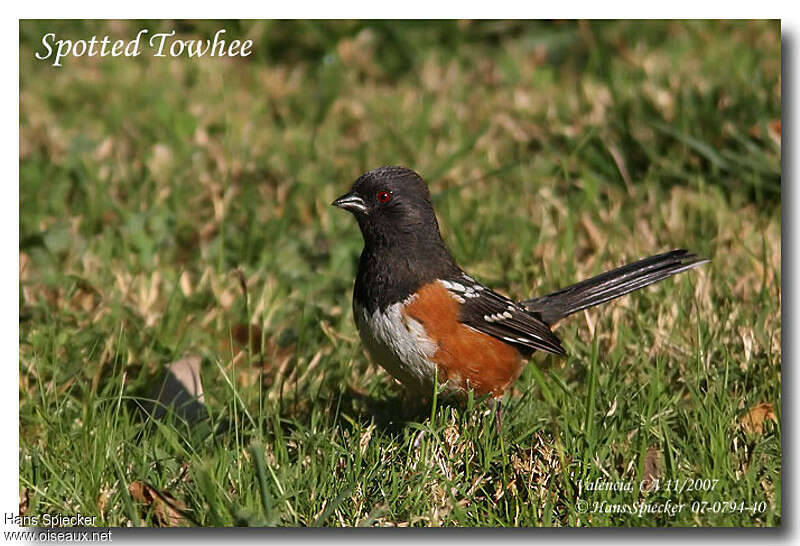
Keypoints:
pixel 161 44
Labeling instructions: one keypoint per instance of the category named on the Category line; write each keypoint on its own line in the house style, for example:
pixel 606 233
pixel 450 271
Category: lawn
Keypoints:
pixel 174 206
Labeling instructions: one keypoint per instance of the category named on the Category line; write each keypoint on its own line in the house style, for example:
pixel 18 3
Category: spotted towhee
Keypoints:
pixel 422 317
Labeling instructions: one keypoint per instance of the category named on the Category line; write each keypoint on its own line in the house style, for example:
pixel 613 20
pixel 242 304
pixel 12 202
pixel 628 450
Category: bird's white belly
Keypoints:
pixel 399 344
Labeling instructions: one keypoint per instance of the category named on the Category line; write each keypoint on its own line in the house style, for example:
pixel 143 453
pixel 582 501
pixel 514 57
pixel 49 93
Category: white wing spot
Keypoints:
pixel 453 286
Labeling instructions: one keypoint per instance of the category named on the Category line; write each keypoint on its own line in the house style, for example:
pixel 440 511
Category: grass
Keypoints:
pixel 153 189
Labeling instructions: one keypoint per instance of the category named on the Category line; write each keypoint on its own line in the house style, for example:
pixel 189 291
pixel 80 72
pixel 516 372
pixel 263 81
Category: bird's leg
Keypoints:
pixel 497 405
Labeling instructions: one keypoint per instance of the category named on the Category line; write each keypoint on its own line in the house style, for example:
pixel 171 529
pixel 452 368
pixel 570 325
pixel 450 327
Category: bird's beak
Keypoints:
pixel 350 202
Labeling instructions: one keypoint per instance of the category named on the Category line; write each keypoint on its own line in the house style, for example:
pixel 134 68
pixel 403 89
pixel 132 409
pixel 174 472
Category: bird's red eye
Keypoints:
pixel 384 196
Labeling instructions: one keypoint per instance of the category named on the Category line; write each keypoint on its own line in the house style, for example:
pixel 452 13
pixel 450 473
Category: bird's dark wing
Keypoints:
pixel 487 311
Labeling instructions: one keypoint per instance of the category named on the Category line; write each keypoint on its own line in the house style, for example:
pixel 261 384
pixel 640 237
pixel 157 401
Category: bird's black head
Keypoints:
pixel 403 249
pixel 393 208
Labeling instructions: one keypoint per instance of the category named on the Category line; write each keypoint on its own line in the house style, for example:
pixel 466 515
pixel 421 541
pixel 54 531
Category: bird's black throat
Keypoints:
pixel 389 273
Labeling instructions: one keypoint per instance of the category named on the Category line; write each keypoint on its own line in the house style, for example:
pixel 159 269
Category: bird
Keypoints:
pixel 430 324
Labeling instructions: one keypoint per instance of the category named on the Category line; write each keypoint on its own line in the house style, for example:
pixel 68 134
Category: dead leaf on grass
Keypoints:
pixel 24 501
pixel 652 467
pixel 168 510
pixel 753 420
pixel 182 390
pixel 102 501
pixel 248 336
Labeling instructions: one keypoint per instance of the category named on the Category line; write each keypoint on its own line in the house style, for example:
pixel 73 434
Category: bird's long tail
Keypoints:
pixel 612 284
